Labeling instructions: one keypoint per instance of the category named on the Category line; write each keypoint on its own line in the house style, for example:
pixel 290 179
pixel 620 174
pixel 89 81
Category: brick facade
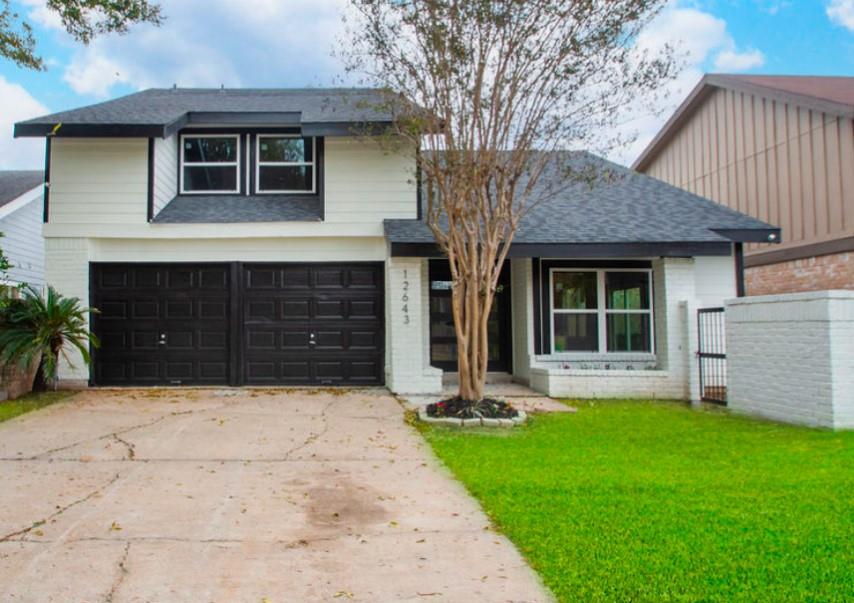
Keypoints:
pixel 835 271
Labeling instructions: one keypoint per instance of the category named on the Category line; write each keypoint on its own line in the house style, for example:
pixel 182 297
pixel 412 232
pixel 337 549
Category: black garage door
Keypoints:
pixel 219 324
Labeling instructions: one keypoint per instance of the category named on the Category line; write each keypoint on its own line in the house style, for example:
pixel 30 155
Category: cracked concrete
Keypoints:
pixel 240 495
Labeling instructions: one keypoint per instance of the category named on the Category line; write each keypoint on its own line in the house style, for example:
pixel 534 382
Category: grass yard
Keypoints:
pixel 12 408
pixel 651 501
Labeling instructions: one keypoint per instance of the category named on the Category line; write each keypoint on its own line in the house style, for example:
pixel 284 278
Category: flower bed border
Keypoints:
pixel 483 422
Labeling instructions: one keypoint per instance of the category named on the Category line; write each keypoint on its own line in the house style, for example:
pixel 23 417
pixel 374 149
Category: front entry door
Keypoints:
pixel 443 341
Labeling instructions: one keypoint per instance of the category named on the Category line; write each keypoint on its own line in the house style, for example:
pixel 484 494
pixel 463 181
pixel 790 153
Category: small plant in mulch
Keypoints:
pixel 488 408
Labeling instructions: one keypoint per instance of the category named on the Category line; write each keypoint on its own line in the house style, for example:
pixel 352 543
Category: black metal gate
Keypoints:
pixel 712 354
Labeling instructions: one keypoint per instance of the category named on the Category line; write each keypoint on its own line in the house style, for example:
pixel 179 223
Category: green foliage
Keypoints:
pixel 30 402
pixel 44 326
pixel 652 501
pixel 83 19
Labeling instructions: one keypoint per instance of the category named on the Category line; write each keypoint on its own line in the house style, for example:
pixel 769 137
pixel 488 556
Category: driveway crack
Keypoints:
pixel 313 436
pixel 123 571
pixel 60 511
pixel 130 447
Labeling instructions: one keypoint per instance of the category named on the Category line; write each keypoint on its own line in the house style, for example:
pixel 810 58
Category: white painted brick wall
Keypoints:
pixel 67 270
pixel 522 312
pixel 791 357
pixel 408 369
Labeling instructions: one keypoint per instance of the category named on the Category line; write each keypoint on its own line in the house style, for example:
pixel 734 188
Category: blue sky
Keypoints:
pixel 268 43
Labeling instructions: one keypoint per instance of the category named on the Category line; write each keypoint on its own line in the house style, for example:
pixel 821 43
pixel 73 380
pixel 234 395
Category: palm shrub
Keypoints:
pixel 44 326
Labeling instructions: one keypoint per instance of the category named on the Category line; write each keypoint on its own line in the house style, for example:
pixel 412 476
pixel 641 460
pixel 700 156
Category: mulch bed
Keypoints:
pixel 488 408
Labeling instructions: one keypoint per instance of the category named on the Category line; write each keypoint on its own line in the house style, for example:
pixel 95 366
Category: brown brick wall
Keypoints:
pixel 809 274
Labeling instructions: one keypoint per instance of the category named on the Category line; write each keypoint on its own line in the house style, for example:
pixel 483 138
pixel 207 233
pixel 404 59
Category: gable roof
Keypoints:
pixel 158 112
pixel 827 94
pixel 603 218
pixel 14 183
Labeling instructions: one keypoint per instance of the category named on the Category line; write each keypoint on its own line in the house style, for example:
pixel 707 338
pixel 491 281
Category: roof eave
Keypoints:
pixel 751 235
pixel 637 249
pixel 702 90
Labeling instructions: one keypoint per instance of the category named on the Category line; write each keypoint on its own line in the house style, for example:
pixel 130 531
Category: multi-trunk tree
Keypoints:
pixel 488 90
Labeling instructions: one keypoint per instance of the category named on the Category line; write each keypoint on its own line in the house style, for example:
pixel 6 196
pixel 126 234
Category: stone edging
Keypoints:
pixel 517 420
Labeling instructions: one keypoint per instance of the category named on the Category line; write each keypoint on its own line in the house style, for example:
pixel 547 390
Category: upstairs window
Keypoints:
pixel 601 311
pixel 210 163
pixel 285 164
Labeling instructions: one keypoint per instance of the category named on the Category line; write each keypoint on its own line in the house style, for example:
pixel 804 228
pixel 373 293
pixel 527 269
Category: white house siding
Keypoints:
pixel 99 181
pixel 367 183
pixel 165 171
pixel 23 244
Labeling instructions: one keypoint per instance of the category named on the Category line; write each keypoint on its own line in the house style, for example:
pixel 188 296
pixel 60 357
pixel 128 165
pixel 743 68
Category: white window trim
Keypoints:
pixel 259 164
pixel 235 164
pixel 602 313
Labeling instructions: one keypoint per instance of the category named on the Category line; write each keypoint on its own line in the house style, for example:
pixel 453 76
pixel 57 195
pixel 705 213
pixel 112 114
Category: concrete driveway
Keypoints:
pixel 239 495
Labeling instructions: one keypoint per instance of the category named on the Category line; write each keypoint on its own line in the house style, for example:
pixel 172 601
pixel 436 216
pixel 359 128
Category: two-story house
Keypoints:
pixel 250 237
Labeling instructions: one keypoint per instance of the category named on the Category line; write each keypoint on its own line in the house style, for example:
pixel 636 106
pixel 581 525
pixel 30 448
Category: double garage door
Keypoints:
pixel 238 323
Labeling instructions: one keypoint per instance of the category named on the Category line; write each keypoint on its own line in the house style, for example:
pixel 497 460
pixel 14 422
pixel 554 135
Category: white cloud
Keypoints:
pixel 263 43
pixel 731 60
pixel 700 39
pixel 841 12
pixel 18 104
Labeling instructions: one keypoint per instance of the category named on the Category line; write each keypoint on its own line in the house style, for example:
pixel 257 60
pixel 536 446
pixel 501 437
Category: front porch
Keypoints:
pixel 633 337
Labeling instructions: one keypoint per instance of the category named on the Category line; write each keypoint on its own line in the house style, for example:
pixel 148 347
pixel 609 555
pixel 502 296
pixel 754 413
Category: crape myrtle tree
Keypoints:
pixel 83 19
pixel 488 90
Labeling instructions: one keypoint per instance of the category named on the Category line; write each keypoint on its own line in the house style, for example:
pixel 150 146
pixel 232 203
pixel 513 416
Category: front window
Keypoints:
pixel 210 163
pixel 285 164
pixel 601 311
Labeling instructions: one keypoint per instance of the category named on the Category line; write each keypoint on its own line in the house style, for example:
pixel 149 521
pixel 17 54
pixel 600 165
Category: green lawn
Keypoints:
pixel 651 501
pixel 12 408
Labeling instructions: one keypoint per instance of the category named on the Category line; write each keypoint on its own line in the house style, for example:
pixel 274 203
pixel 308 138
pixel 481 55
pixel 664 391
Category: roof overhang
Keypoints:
pixel 241 119
pixel 713 81
pixel 583 250
pixel 751 235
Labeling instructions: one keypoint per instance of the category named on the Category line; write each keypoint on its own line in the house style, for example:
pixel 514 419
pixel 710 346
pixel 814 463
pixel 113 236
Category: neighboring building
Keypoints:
pixel 233 237
pixel 780 149
pixel 21 225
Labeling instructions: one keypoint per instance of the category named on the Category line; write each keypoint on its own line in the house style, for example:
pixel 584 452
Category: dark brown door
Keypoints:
pixel 443 341
pixel 312 323
pixel 162 324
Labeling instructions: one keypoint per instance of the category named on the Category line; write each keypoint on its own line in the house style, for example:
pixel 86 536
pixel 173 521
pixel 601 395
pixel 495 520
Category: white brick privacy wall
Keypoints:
pixel 791 357
pixel 67 270
pixel 408 369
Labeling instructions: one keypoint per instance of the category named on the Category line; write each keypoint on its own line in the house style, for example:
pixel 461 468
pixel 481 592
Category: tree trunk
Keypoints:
pixel 471 308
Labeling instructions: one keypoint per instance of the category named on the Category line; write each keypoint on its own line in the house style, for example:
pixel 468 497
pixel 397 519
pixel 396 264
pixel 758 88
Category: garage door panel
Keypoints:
pixel 340 304
pixel 168 325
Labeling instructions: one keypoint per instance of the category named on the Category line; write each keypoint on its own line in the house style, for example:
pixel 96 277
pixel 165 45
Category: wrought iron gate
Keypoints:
pixel 712 354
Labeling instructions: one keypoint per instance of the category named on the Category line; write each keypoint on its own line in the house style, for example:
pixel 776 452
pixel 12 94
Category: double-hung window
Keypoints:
pixel 601 311
pixel 210 163
pixel 285 164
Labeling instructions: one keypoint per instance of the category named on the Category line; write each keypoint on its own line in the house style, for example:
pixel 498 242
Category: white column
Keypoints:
pixel 408 369
pixel 67 271
pixel 673 281
pixel 522 311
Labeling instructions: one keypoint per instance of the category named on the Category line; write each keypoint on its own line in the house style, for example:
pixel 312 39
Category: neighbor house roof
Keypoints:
pixel 158 112
pixel 14 183
pixel 827 94
pixel 619 210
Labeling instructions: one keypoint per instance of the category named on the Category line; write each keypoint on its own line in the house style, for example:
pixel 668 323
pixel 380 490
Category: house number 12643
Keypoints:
pixel 405 297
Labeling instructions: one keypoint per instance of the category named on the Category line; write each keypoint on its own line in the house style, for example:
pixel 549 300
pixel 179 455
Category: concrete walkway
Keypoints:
pixel 239 496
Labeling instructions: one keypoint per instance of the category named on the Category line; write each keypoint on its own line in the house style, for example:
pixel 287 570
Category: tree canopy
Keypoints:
pixel 82 19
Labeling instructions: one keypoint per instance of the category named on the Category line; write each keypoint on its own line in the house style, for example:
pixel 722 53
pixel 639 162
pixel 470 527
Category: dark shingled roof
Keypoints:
pixel 197 209
pixel 169 108
pixel 626 207
pixel 14 183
